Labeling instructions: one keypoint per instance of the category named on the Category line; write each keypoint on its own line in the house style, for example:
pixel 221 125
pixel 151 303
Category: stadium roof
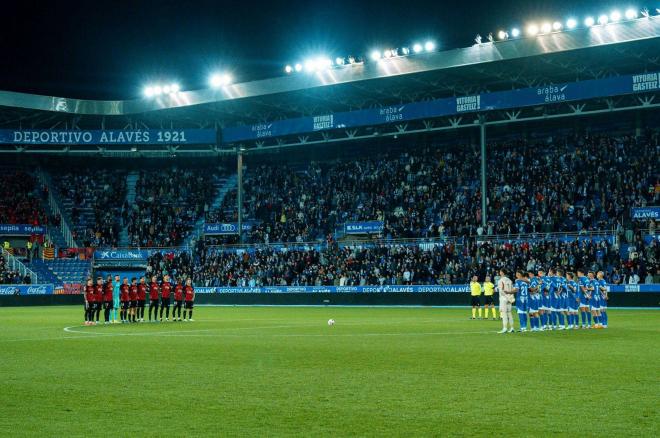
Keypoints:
pixel 596 52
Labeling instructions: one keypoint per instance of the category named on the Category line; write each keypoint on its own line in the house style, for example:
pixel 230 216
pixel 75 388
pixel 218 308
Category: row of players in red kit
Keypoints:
pixel 131 299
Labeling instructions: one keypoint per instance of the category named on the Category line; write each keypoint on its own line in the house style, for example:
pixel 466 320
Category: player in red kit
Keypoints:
pixel 89 302
pixel 165 291
pixel 190 298
pixel 178 300
pixel 124 300
pixel 132 296
pixel 142 297
pixel 107 299
pixel 98 299
pixel 153 298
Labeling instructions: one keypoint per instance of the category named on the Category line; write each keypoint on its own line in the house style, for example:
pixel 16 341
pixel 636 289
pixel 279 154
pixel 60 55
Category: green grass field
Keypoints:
pixel 257 371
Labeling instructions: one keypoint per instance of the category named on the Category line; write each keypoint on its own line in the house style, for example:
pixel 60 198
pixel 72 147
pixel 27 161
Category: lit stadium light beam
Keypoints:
pixel 157 90
pixel 589 21
pixel 288 69
pixel 218 80
pixel 174 88
pixel 602 20
pixel 429 46
pixel 546 28
pixel 532 29
pixel 615 16
pixel 387 54
pixel 556 26
pixel 571 23
pixel 405 51
pixel 502 35
pixel 148 91
pixel 166 89
pixel 375 55
pixel 515 32
pixel 631 14
pixel 298 67
pixel 417 48
pixel 339 61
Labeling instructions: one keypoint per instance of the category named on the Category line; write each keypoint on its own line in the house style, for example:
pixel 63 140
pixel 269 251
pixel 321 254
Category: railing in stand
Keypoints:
pixel 16 265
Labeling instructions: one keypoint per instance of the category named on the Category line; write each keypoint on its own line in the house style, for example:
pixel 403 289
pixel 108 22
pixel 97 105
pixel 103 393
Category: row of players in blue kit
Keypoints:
pixel 553 301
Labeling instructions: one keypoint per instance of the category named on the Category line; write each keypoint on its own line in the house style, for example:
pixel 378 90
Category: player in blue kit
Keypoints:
pixel 534 302
pixel 554 299
pixel 544 307
pixel 521 289
pixel 583 293
pixel 594 300
pixel 603 289
pixel 562 311
pixel 572 301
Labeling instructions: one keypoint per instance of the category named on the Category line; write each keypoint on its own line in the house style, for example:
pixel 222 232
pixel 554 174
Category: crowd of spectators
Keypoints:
pixel 95 200
pixel 447 262
pixel 168 203
pixel 8 276
pixel 19 201
pixel 574 184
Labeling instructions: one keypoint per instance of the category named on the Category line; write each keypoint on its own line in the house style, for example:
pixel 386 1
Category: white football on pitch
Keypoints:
pixel 331 322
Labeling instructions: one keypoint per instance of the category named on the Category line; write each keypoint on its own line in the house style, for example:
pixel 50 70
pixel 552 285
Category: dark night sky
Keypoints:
pixel 110 50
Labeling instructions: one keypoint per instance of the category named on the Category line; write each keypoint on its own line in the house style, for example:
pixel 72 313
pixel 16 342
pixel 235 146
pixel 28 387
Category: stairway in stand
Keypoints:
pixel 131 183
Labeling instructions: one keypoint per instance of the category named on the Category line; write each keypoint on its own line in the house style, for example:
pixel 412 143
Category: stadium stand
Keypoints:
pixel 61 272
pixel 168 203
pixel 389 264
pixel 93 199
pixel 577 184
pixel 19 200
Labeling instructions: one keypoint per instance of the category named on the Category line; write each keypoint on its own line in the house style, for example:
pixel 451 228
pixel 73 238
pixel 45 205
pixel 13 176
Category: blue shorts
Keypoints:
pixel 533 305
pixel 522 304
pixel 595 303
pixel 563 302
pixel 584 302
pixel 572 303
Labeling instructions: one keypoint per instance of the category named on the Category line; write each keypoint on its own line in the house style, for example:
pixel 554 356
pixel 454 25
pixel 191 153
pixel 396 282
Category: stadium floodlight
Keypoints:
pixel 571 23
pixel 429 46
pixel 502 35
pixel 339 61
pixel 631 14
pixel 166 89
pixel 174 88
pixel 532 29
pixel 157 90
pixel 375 55
pixel 405 51
pixel 417 48
pixel 310 65
pixel 602 20
pixel 351 60
pixel 515 32
pixel 323 62
pixel 589 21
pixel 218 80
pixel 387 53
pixel 298 67
pixel 546 28
pixel 288 69
pixel 615 16
pixel 148 91
pixel 556 26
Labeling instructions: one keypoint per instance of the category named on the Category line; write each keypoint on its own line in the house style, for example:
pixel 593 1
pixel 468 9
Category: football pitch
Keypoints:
pixel 267 371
